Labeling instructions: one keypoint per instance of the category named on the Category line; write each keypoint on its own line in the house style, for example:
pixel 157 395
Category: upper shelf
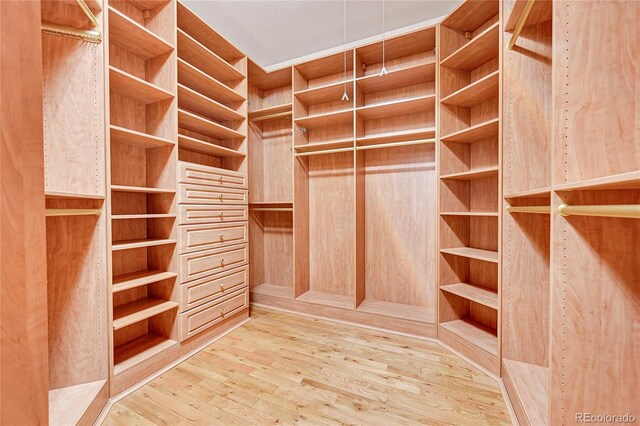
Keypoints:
pixel 394 108
pixel 476 92
pixel 328 119
pixel 203 83
pixel 193 101
pixel 540 12
pixel 470 15
pixel 402 77
pixel 204 59
pixel 474 133
pixel 135 88
pixel 195 123
pixel 480 49
pixel 277 111
pixel 327 93
pixel 135 38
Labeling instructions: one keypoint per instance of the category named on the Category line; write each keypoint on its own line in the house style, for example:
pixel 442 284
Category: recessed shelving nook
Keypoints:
pixel 143 156
pixel 469 190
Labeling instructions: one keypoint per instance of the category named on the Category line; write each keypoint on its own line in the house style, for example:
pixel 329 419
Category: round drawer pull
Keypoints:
pixel 221 214
pixel 222 311
pixel 221 237
pixel 221 287
pixel 222 262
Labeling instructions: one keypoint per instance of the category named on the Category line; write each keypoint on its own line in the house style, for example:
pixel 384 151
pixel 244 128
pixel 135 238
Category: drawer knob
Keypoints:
pixel 221 214
pixel 220 179
pixel 221 262
pixel 221 237
pixel 221 287
pixel 222 311
pixel 220 196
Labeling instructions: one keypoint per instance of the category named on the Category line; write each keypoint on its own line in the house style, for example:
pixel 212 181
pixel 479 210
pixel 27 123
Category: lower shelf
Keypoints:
pixel 397 310
pixel 68 405
pixel 478 294
pixel 139 350
pixel 139 310
pixel 528 389
pixel 327 299
pixel 474 333
pixel 273 290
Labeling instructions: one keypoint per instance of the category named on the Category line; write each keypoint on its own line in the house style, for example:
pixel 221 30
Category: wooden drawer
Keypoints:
pixel 211 176
pixel 199 194
pixel 209 314
pixel 195 214
pixel 204 237
pixel 204 263
pixel 205 290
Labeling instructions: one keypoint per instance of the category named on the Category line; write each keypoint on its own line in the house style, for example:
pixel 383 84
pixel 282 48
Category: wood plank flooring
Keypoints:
pixel 286 369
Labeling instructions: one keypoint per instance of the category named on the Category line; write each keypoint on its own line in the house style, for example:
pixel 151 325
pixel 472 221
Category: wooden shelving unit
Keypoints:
pixel 469 190
pixel 143 156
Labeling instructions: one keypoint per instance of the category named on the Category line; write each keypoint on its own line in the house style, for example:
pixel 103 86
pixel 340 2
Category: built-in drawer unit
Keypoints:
pixel 211 176
pixel 210 314
pixel 208 262
pixel 214 235
pixel 192 214
pixel 204 290
pixel 200 194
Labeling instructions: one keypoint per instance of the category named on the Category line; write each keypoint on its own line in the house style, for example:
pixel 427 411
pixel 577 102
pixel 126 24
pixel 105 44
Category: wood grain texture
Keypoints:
pixel 281 368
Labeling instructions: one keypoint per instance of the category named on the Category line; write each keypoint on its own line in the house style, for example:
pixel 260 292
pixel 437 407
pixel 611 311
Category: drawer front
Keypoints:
pixel 195 214
pixel 203 263
pixel 204 237
pixel 199 194
pixel 204 290
pixel 211 176
pixel 210 314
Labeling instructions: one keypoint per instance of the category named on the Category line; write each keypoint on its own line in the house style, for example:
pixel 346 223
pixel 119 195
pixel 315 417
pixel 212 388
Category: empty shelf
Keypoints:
pixel 477 51
pixel 320 146
pixel 196 145
pixel 630 180
pixel 208 86
pixel 400 107
pixel 129 86
pixel 477 214
pixel 399 136
pixel 530 385
pixel 140 310
pixel 473 253
pixel 204 59
pixel 397 310
pixel 474 133
pixel 336 118
pixel 474 333
pixel 533 193
pixel 481 295
pixel 142 216
pixel 140 243
pixel 141 189
pixel 143 5
pixel 328 93
pixel 191 100
pixel 277 111
pixel 477 92
pixel 273 290
pixel 195 123
pixel 139 350
pixel 133 137
pixel 472 174
pixel 417 74
pixel 135 38
pixel 327 299
pixel 140 278
pixel 68 405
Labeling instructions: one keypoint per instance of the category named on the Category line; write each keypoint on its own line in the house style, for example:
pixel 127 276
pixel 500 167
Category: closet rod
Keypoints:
pixel 529 209
pixel 89 36
pixel 73 212
pixel 271 209
pixel 394 144
pixel 272 116
pixel 630 211
pixel 328 151
pixel 521 22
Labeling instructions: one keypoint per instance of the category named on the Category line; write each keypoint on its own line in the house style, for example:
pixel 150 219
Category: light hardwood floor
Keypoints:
pixel 281 368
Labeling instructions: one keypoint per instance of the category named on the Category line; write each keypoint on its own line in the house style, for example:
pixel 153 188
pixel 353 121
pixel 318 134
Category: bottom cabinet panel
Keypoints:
pixel 210 314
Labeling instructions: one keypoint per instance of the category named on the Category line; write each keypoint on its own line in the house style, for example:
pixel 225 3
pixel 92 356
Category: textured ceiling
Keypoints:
pixel 275 32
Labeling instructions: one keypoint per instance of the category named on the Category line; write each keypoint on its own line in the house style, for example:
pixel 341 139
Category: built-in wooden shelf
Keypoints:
pixel 138 279
pixel 195 79
pixel 128 34
pixel 334 118
pixel 481 295
pixel 203 147
pixel 273 290
pixel 72 195
pixel 530 385
pixel 397 310
pixel 630 180
pixel 327 93
pixel 139 310
pixel 67 405
pixel 270 203
pixel 472 253
pixel 147 4
pixel 399 107
pixel 139 350
pixel 189 99
pixel 403 77
pixel 472 174
pixel 142 216
pixel 474 133
pixel 132 87
pixel 141 189
pixel 133 137
pixel 475 214
pixel 477 51
pixel 195 123
pixel 533 193
pixel 397 136
pixel 204 59
pixel 540 12
pixel 327 299
pixel 277 111
pixel 140 243
pixel 476 92
pixel 474 333
pixel 320 146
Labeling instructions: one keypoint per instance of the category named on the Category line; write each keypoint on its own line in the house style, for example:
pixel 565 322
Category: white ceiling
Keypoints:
pixel 275 33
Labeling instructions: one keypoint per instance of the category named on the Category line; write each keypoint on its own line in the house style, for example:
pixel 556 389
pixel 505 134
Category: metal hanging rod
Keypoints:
pixel 327 151
pixel 520 25
pixel 395 144
pixel 272 116
pixel 529 209
pixel 89 36
pixel 630 211
pixel 73 212
pixel 88 12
